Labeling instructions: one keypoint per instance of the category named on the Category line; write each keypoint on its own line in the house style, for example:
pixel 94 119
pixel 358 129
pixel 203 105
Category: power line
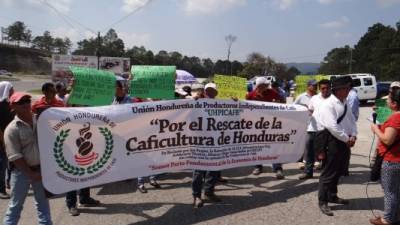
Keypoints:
pixel 126 16
pixel 65 18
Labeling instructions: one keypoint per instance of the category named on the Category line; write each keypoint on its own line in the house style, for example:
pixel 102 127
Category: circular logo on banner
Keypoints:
pixel 86 158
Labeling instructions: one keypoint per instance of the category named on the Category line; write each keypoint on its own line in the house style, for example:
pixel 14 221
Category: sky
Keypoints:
pixel 286 30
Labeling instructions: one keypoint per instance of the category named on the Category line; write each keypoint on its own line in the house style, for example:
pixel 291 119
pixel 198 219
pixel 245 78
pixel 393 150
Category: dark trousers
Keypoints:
pixel 71 198
pixel 334 167
pixel 309 153
pixel 210 178
pixel 3 167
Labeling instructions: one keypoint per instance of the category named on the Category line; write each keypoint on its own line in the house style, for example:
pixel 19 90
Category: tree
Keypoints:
pixel 292 72
pixel 61 46
pixel 18 32
pixel 336 62
pixel 108 45
pixel 44 42
pixel 229 40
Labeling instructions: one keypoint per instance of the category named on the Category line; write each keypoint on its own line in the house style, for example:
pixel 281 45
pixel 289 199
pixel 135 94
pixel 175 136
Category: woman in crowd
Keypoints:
pixel 389 147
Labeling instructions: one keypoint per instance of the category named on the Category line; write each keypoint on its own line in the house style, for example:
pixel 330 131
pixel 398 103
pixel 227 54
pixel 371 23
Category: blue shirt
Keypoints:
pixel 354 103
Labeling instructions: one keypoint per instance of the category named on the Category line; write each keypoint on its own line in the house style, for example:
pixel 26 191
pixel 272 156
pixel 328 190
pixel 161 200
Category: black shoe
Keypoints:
pixel 279 175
pixel 142 189
pixel 325 209
pixel 338 200
pixel 305 176
pixel 155 184
pixel 4 195
pixel 257 171
pixel 73 211
pixel 90 203
pixel 222 180
pixel 211 197
pixel 197 202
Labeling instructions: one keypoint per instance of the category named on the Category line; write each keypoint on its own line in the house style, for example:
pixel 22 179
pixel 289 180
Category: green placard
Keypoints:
pixel 230 86
pixel 157 82
pixel 92 87
pixel 301 82
pixel 383 112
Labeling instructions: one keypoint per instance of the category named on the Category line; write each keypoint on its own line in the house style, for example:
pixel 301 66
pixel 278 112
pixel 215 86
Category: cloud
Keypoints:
pixel 284 4
pixel 340 35
pixel 326 2
pixel 62 6
pixel 132 5
pixel 134 39
pixel 193 7
pixel 335 24
pixel 387 3
pixel 72 34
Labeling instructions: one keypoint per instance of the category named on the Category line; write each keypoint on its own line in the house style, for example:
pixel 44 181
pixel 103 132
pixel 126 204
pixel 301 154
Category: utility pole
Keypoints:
pixel 351 59
pixel 98 50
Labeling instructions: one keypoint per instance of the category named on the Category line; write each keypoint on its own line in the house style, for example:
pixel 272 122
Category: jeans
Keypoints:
pixel 3 167
pixel 71 199
pixel 310 153
pixel 19 190
pixel 140 180
pixel 210 178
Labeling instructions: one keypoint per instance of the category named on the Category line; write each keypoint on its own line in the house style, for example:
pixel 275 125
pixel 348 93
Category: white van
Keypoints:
pixel 270 80
pixel 365 84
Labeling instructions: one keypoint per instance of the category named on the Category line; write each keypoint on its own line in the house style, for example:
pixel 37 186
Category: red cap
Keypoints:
pixel 17 96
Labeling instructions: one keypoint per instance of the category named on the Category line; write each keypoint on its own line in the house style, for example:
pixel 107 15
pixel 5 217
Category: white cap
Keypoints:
pixel 181 92
pixel 261 80
pixel 395 84
pixel 210 85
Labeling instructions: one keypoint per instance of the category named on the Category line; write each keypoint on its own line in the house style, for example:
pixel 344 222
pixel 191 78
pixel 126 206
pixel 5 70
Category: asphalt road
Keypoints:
pixel 247 199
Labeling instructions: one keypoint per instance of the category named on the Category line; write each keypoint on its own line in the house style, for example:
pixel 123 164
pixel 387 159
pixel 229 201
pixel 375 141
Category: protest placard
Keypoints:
pixel 92 87
pixel 230 87
pixel 383 111
pixel 157 82
pixel 88 146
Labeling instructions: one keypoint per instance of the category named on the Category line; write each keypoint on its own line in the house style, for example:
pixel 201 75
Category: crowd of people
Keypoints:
pixel 331 133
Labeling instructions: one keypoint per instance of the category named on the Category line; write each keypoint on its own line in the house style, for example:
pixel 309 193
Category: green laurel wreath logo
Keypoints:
pixel 67 167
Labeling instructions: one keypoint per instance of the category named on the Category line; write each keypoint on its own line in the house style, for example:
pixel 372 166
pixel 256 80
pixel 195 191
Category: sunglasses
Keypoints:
pixel 24 101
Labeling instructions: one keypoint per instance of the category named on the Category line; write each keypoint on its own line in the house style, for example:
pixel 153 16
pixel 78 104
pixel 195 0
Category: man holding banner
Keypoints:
pixel 210 177
pixel 21 144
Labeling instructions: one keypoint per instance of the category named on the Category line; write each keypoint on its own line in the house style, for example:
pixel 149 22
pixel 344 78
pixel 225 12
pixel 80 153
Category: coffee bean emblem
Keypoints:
pixel 83 142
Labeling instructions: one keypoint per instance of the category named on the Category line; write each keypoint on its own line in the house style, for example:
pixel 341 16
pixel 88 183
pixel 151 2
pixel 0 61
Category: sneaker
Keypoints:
pixel 142 189
pixel 4 195
pixel 211 197
pixel 73 211
pixel 301 165
pixel 257 171
pixel 197 202
pixel 155 184
pixel 325 209
pixel 279 175
pixel 318 165
pixel 338 200
pixel 90 203
pixel 305 176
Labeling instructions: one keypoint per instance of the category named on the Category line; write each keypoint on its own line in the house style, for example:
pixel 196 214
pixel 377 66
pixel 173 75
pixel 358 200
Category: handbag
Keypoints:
pixel 376 168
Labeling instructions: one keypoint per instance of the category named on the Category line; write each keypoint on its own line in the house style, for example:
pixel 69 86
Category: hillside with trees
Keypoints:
pixel 377 52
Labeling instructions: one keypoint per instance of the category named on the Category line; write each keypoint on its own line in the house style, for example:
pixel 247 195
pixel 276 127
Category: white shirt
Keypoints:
pixel 303 99
pixel 328 114
pixel 313 105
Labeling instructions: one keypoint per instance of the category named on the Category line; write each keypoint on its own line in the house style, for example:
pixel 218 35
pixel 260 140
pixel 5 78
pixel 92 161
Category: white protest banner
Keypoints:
pixel 83 147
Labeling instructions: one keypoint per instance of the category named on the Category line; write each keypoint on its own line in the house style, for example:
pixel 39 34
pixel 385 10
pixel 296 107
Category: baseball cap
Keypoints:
pixel 395 84
pixel 261 80
pixel 210 85
pixel 17 96
pixel 311 82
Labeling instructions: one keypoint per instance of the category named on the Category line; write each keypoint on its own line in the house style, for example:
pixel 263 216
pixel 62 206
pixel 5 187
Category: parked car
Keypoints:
pixel 365 85
pixel 5 73
pixel 383 89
